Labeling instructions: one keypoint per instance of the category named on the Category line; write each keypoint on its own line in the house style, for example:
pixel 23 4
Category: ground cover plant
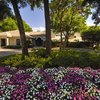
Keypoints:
pixel 37 58
pixel 49 84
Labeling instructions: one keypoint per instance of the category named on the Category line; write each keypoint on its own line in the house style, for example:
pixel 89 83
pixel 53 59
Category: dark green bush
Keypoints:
pixel 55 43
pixel 41 52
pixel 75 58
pixel 31 61
pixel 13 47
pixel 64 58
pixel 80 44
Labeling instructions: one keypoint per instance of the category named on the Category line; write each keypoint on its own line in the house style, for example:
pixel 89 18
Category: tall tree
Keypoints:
pixel 67 17
pixel 38 3
pixel 96 13
pixel 15 4
pixel 48 27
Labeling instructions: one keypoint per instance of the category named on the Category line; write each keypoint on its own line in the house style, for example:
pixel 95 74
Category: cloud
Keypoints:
pixel 38 29
pixel 90 24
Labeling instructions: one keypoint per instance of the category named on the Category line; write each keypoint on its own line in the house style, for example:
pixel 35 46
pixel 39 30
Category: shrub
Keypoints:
pixel 31 61
pixel 75 58
pixel 41 52
pixel 56 59
pixel 55 43
pixel 80 44
pixel 13 47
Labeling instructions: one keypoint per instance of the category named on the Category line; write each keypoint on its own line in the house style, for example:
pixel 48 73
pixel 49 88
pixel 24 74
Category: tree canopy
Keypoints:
pixel 96 6
pixel 9 24
pixel 68 17
pixel 5 10
pixel 92 34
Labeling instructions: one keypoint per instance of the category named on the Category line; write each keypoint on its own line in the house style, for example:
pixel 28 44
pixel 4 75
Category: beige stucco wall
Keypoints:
pixel 12 40
pixel 76 37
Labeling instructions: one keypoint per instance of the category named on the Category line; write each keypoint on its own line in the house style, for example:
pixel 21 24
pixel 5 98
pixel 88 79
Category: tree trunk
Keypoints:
pixel 61 41
pixel 66 41
pixel 48 27
pixel 21 28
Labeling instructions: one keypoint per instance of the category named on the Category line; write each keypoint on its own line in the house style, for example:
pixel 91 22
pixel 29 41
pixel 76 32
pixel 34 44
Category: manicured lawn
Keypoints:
pixel 49 84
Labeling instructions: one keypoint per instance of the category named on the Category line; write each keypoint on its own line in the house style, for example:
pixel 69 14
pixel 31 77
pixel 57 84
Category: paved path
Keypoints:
pixel 6 52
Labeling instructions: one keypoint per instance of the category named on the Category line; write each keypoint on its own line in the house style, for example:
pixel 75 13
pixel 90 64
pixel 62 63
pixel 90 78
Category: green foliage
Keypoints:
pixel 95 4
pixel 68 58
pixel 27 27
pixel 31 61
pixel 73 58
pixel 12 47
pixel 9 24
pixel 35 3
pixel 92 34
pixel 40 52
pixel 5 10
pixel 68 17
pixel 80 44
pixel 55 43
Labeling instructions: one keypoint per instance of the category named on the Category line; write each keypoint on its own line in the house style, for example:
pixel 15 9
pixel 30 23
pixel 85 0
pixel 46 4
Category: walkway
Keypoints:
pixel 6 52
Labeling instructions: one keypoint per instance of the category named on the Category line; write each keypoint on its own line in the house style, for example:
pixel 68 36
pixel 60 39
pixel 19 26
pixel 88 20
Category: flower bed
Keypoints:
pixel 49 84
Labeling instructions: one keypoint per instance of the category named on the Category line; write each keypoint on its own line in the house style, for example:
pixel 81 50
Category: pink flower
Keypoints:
pixel 75 98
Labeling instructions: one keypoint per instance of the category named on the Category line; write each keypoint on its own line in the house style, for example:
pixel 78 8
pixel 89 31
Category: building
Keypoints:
pixel 38 38
pixel 75 38
pixel 10 38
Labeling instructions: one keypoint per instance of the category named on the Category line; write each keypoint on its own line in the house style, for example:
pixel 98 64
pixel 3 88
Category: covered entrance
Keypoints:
pixel 39 42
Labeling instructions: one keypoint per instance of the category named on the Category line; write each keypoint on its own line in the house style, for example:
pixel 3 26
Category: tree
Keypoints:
pixel 67 17
pixel 38 3
pixel 96 5
pixel 48 27
pixel 15 4
pixel 9 24
pixel 92 34
pixel 5 9
pixel 27 27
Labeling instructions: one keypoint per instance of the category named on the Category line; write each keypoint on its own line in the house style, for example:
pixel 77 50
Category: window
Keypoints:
pixel 74 36
pixel 17 41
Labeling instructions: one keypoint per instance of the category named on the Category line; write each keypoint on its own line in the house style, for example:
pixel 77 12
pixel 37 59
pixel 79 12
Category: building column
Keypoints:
pixel 7 41
pixel 0 43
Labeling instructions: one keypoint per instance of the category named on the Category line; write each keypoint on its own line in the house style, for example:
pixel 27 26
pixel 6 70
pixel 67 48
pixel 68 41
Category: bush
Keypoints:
pixel 64 58
pixel 31 61
pixel 55 43
pixel 80 44
pixel 75 58
pixel 13 47
pixel 41 52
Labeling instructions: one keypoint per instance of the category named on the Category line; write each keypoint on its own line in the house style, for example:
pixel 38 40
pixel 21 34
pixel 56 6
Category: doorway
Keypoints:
pixel 3 42
pixel 39 42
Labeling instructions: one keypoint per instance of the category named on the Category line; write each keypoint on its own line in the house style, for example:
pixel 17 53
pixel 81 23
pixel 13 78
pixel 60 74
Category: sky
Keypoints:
pixel 36 20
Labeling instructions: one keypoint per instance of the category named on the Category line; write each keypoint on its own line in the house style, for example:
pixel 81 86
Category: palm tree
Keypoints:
pixel 38 3
pixel 20 25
